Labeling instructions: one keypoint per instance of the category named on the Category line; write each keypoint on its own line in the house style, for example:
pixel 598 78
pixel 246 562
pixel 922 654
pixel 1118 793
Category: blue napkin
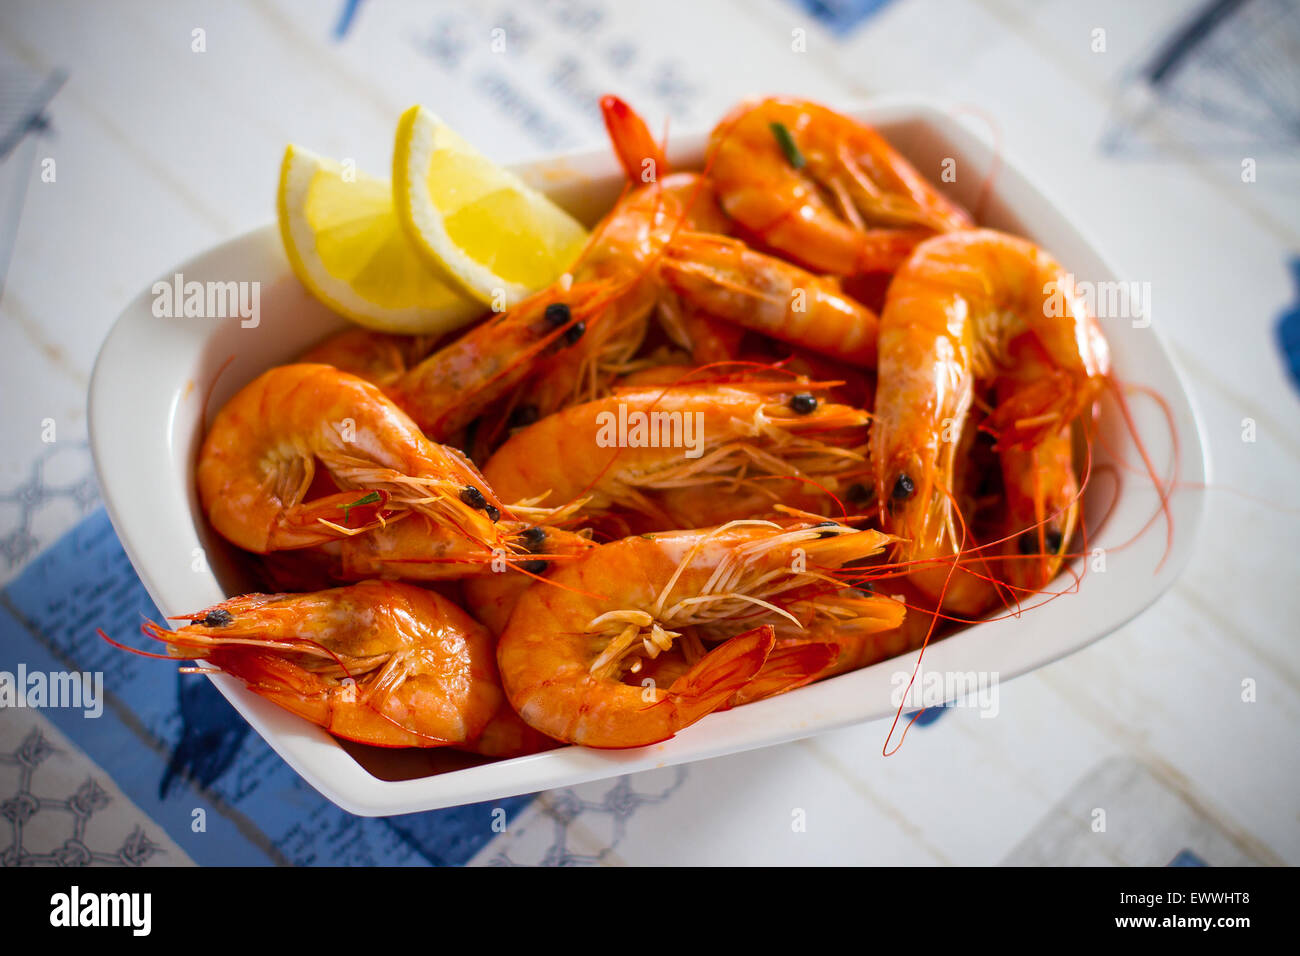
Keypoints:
pixel 174 745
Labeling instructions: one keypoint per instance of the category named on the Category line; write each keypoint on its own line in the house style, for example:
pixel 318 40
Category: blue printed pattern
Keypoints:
pixel 347 16
pixel 1288 328
pixel 842 17
pixel 175 747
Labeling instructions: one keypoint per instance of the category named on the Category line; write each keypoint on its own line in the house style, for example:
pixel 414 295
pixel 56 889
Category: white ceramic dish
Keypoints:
pixel 147 402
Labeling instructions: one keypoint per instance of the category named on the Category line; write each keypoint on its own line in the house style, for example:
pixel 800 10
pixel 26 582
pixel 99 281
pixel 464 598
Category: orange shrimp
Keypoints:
pixel 409 547
pixel 712 281
pixel 506 735
pixel 748 442
pixel 952 314
pixel 378 357
pixel 570 339
pixel 625 248
pixel 570 642
pixel 1039 482
pixel 725 279
pixel 708 340
pixel 860 627
pixel 453 386
pixel 691 195
pixel 825 190
pixel 625 251
pixel 643 160
pixel 379 662
pixel 258 463
pixel 832 631
pixel 790 665
pixel 492 597
pixel 641 156
pixel 566 340
pixel 417 549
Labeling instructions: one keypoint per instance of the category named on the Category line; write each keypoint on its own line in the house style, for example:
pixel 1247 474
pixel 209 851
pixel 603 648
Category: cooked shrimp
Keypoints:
pixel 379 662
pixel 453 386
pixel 756 496
pixel 692 197
pixel 790 665
pixel 625 248
pixel 417 549
pixel 641 156
pixel 492 597
pixel 625 251
pixel 726 279
pixel 869 623
pixel 570 339
pixel 506 735
pixel 832 633
pixel 378 357
pixel 570 640
pixel 566 340
pixel 951 316
pixel 258 463
pixel 708 340
pixel 1039 482
pixel 825 190
pixel 636 447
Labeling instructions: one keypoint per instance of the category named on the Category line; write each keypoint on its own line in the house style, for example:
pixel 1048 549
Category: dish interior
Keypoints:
pixel 228 355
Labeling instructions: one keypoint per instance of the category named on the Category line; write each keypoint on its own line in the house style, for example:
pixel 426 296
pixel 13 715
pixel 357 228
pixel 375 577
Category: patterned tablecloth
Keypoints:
pixel 133 135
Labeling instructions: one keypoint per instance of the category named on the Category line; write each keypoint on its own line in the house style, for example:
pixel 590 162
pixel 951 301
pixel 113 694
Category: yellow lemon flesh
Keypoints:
pixel 478 224
pixel 347 246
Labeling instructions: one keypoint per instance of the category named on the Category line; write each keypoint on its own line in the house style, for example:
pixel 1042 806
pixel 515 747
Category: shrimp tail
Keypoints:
pixel 788 667
pixel 720 674
pixel 632 141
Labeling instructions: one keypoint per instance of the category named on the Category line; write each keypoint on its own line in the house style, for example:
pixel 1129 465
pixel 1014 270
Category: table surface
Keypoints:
pixel 1176 149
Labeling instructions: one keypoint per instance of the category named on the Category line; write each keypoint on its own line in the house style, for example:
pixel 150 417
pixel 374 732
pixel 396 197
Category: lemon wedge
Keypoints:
pixel 348 248
pixel 476 223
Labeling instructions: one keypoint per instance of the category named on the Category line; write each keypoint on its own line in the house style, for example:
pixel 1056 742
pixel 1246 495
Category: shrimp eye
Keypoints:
pixel 805 403
pixel 533 567
pixel 533 538
pixel 218 618
pixel 903 488
pixel 826 524
pixel 492 512
pixel 522 416
pixel 557 314
pixel 1052 542
pixel 473 497
pixel 866 587
pixel 860 494
pixel 574 332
